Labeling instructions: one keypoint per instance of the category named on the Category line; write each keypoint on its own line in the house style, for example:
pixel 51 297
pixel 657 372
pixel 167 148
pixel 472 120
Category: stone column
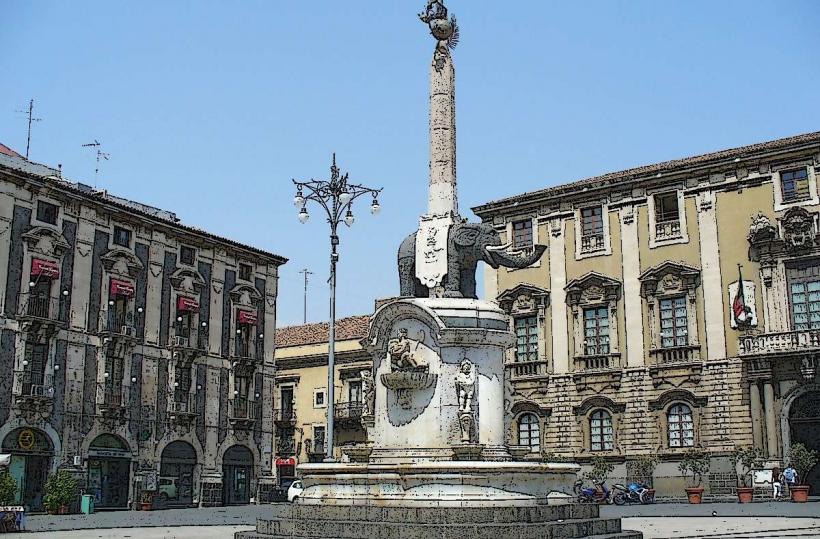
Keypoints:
pixel 771 429
pixel 754 405
pixel 442 195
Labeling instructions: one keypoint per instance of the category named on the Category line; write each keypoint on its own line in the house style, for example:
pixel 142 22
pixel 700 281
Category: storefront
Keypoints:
pixel 237 472
pixel 31 455
pixel 286 471
pixel 175 485
pixel 109 471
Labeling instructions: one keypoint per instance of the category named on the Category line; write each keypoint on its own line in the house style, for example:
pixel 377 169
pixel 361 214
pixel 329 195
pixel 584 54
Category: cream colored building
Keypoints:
pixel 627 342
pixel 135 352
pixel 301 391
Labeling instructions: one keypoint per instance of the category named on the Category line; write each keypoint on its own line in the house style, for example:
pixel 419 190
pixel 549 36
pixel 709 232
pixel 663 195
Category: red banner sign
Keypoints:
pixel 121 288
pixel 246 317
pixel 44 268
pixel 286 462
pixel 187 304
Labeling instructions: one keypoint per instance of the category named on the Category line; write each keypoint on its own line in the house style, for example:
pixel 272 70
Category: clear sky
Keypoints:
pixel 210 108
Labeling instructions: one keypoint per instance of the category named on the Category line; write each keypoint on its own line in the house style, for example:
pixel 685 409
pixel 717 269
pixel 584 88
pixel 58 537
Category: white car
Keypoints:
pixel 294 490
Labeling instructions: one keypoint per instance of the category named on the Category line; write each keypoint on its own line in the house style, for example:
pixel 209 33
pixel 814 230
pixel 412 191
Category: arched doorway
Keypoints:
pixel 804 424
pixel 109 471
pixel 175 486
pixel 31 453
pixel 237 473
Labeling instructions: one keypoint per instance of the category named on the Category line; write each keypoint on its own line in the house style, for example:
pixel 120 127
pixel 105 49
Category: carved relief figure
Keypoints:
pixel 465 385
pixel 401 356
pixel 368 393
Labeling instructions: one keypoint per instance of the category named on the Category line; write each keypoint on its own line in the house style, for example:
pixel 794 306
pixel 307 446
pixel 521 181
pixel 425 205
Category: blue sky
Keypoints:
pixel 210 108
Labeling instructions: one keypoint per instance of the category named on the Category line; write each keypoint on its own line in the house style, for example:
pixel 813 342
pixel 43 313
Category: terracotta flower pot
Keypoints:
pixel 745 494
pixel 800 493
pixel 695 494
pixel 146 506
pixel 63 509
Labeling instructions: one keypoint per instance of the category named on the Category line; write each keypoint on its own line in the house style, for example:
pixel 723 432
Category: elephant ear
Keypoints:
pixel 465 236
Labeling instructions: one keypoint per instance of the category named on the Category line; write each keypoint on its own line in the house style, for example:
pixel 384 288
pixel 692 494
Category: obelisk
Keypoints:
pixel 442 202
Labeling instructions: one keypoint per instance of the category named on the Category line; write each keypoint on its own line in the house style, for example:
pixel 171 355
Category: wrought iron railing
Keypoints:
pixel 675 354
pixel 117 322
pixel 247 348
pixel 785 341
pixel 113 394
pixel 526 369
pixel 242 408
pixel 284 415
pixel 38 306
pixel 34 383
pixel 592 242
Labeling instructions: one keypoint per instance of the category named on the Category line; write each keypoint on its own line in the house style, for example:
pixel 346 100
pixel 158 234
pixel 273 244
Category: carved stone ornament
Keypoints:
pixel 187 280
pixel 466 424
pixel 669 278
pixel 46 241
pixel 406 381
pixel 761 229
pixel 465 385
pixel 798 229
pixel 122 262
pixel 34 408
pixel 592 288
pixel 245 295
pixel 368 393
pixel 523 299
pixel 401 352
pixel 431 250
pixel 443 30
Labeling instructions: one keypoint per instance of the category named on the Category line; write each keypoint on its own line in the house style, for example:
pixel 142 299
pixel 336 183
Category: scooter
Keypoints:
pixel 632 493
pixel 599 493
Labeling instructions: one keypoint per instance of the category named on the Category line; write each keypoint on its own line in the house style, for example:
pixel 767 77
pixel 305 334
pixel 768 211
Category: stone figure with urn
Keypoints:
pixel 436 391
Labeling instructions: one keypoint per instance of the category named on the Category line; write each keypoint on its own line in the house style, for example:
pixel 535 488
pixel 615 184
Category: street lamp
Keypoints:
pixel 336 197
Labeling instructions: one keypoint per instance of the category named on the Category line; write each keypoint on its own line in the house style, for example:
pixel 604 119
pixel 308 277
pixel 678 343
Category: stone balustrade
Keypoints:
pixel 784 341
pixel 526 369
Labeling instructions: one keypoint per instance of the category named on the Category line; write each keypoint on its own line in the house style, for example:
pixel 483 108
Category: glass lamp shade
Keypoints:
pixel 375 208
pixel 303 216
pixel 349 219
pixel 299 200
pixel 345 197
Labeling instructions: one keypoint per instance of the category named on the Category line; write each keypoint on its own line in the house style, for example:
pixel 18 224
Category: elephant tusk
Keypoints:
pixel 496 248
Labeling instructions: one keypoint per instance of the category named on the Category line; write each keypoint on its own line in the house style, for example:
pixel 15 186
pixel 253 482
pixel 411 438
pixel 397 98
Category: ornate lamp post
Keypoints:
pixel 336 197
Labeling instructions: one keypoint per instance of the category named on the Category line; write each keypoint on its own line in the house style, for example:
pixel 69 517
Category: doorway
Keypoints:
pixel 804 423
pixel 31 454
pixel 176 475
pixel 237 471
pixel 109 471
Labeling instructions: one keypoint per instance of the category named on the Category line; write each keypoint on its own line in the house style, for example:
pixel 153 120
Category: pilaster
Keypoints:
pixel 558 281
pixel 633 311
pixel 153 303
pixel 83 256
pixel 710 277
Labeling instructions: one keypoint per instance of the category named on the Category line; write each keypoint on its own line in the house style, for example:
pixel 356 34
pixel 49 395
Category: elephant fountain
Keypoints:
pixel 467 244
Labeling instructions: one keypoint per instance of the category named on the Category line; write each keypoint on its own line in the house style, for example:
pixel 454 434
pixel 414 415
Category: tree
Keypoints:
pixel 8 488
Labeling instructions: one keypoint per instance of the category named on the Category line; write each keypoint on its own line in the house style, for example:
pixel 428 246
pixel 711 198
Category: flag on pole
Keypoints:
pixel 741 311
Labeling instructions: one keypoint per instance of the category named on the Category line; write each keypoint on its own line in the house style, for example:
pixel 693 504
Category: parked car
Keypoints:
pixel 294 490
pixel 167 488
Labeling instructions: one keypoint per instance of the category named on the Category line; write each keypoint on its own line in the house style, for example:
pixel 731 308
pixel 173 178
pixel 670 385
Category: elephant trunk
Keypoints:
pixel 501 255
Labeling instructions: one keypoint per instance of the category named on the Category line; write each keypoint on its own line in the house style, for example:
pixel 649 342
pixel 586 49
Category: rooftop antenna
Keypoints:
pixel 304 313
pixel 100 155
pixel 31 118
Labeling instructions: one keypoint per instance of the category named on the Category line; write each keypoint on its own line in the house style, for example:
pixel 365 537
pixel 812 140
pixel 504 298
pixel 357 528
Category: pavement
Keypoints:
pixel 712 520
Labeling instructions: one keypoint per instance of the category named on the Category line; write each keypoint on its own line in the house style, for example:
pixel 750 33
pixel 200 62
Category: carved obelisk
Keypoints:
pixel 442 202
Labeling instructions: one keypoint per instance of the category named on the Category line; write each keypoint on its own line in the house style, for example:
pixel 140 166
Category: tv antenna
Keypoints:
pixel 100 155
pixel 31 118
pixel 305 272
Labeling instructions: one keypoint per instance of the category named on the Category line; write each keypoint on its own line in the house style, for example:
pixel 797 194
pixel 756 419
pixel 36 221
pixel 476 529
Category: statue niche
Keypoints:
pixel 406 374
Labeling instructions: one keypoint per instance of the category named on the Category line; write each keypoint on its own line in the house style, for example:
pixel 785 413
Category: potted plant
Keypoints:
pixel 694 464
pixel 748 459
pixel 8 488
pixel 643 470
pixel 601 468
pixel 147 500
pixel 802 459
pixel 60 490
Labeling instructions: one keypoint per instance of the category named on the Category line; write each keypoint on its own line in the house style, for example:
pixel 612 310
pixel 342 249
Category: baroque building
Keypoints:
pixel 135 351
pixel 301 396
pixel 632 338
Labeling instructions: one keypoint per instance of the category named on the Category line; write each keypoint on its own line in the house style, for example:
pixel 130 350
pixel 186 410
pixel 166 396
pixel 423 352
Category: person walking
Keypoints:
pixel 790 476
pixel 777 483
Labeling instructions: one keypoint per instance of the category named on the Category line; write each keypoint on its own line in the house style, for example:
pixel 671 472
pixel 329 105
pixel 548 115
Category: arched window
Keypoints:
pixel 529 432
pixel 681 426
pixel 600 431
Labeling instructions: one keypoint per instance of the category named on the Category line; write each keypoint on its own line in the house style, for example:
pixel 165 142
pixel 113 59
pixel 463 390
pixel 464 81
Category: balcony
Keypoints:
pixel 676 354
pixel 242 413
pixel 285 447
pixel 247 349
pixel 187 344
pixel 116 323
pixel 182 409
pixel 601 362
pixel 34 395
pixel 316 450
pixel 285 416
pixel 591 243
pixel 112 403
pixel 39 311
pixel 347 413
pixel 524 370
pixel 667 230
pixel 785 342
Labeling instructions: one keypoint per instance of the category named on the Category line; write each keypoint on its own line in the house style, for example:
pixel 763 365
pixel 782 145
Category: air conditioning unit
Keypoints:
pixel 78 460
pixel 129 331
pixel 180 341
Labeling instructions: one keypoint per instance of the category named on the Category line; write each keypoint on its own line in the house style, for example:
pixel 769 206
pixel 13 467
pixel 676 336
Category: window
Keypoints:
pixel 34 379
pixel 47 212
pixel 667 216
pixel 674 323
pixel 805 299
pixel 122 236
pixel 182 380
pixel 245 271
pixel 529 432
pixel 592 229
pixel 526 336
pixel 681 426
pixel 596 331
pixel 522 234
pixel 187 255
pixel 318 439
pixel 319 399
pixel 600 431
pixel 795 185
pixel 354 391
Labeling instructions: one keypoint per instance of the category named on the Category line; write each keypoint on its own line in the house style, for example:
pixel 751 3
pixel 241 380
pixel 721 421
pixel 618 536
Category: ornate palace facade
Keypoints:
pixel 627 337
pixel 135 351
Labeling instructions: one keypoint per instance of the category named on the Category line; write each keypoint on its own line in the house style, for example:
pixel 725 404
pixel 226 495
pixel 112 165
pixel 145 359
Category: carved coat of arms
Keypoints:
pixel 431 250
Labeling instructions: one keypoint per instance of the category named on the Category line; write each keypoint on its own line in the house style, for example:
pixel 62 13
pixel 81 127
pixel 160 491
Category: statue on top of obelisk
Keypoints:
pixel 439 260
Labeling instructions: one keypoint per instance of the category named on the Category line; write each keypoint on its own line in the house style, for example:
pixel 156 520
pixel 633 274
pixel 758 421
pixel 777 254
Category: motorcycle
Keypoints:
pixel 632 493
pixel 598 493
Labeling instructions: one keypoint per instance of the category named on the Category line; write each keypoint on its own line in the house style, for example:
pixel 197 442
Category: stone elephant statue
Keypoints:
pixel 467 244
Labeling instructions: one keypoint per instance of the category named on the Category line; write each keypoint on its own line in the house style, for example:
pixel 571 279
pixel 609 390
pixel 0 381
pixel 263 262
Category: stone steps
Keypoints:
pixel 343 529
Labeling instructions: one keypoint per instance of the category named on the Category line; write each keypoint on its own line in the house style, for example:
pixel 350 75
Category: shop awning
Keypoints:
pixel 246 317
pixel 286 462
pixel 187 304
pixel 121 288
pixel 44 268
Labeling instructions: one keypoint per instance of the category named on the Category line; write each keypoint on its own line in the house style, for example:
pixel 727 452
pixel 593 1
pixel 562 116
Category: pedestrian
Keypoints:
pixel 790 476
pixel 777 483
